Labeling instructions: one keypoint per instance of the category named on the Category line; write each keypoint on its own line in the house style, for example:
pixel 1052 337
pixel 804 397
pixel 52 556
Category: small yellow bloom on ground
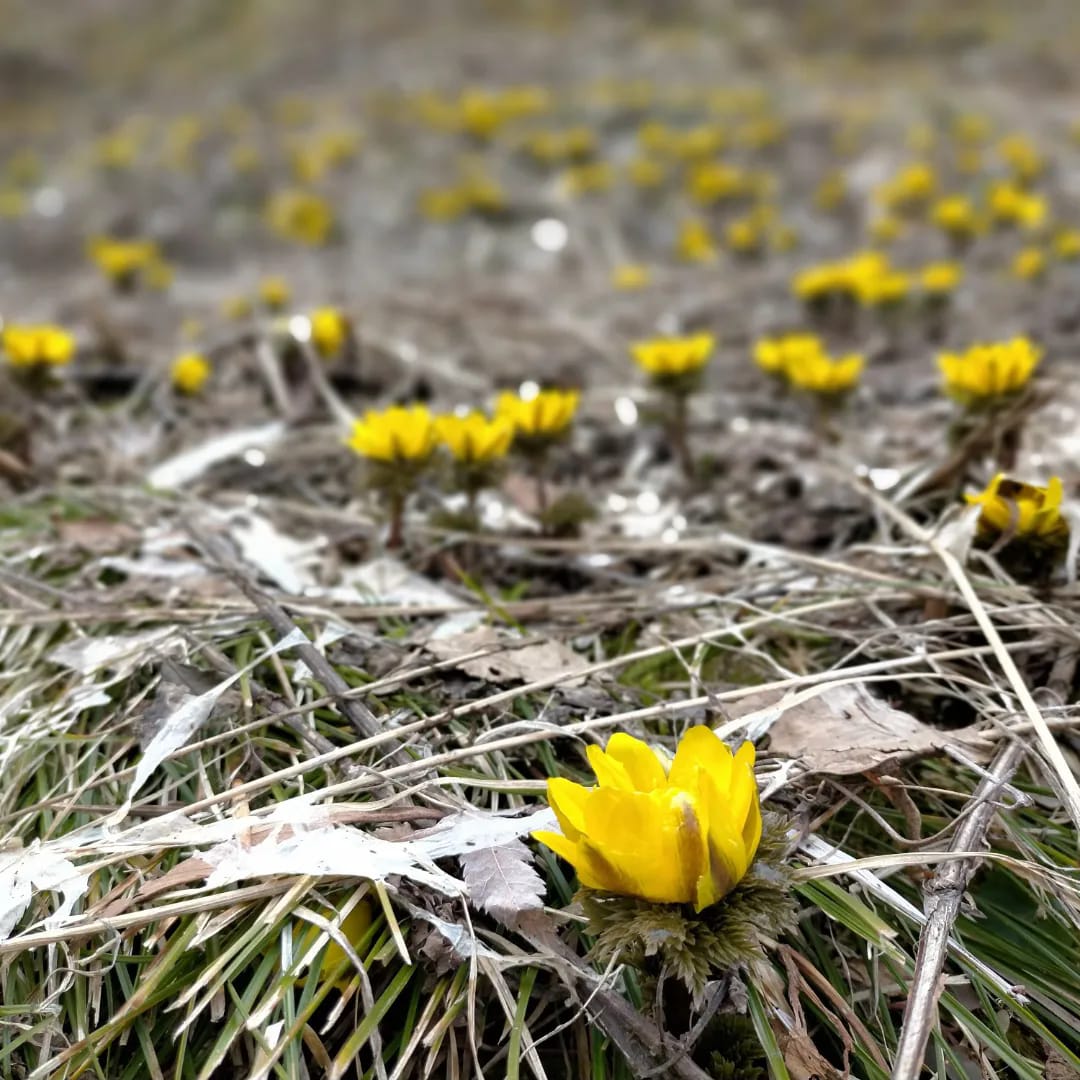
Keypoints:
pixel 236 307
pixel 831 193
pixel 987 372
pixel 912 187
pixel 744 236
pixel 475 439
pixel 775 354
pixel 646 172
pixel 665 358
pixel 545 415
pixel 1019 153
pixel 886 229
pixel 630 276
pixel 1023 510
pixel 680 834
pixel 274 292
pixel 190 372
pixel 695 243
pixel 329 330
pixel 1029 264
pixel 300 216
pixel 880 290
pixel 1067 244
pixel 40 345
pixel 590 178
pixel 956 216
pixel 819 373
pixel 396 436
pixel 939 279
pixel 1012 205
pixel 121 261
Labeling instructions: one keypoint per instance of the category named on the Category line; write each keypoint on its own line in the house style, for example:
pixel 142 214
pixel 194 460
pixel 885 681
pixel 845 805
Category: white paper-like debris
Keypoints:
pixel 463 944
pixel 24 873
pixel 327 852
pixel 192 463
pixel 282 559
pixel 459 834
pixel 89 654
pixel 178 728
pixel 387 581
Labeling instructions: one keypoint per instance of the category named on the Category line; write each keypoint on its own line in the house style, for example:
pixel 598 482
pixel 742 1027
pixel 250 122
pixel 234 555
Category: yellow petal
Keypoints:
pixel 700 748
pixel 568 799
pixel 642 766
pixel 610 772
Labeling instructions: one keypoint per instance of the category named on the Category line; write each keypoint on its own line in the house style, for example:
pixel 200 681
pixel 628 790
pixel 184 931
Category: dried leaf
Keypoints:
pixel 24 873
pixel 505 663
pixel 846 730
pixel 502 881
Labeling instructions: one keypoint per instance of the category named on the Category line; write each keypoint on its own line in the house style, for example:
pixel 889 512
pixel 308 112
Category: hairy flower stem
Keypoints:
pixel 678 434
pixel 395 537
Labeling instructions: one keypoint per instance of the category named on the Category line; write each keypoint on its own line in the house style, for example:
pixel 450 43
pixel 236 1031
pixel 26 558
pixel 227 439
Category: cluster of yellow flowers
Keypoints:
pixel 870 279
pixel 127 263
pixel 40 346
pixel 986 373
pixel 802 360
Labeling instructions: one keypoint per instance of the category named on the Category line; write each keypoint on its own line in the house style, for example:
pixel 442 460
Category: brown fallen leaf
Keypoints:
pixel 506 663
pixel 846 730
pixel 96 535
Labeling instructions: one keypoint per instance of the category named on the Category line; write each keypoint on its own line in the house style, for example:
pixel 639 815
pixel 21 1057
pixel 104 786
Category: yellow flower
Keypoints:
pixel 630 276
pixel 646 172
pixel 819 373
pixel 1067 244
pixel 1009 506
pixel 831 193
pixel 158 274
pixel 913 186
pixel 694 243
pixel 1020 155
pixel 1012 205
pixel 985 372
pixel 775 354
pixel 881 289
pixel 475 439
pixel 443 204
pixel 244 157
pixel 545 415
pixel 274 292
pixel 190 372
pixel 744 235
pixel 329 329
pixel 589 178
pixel 684 834
pixel 300 216
pixel 42 345
pixel 716 181
pixel 1029 264
pixel 956 215
pixel 396 436
pixel 122 260
pixel 670 357
pixel 940 278
pixel 886 229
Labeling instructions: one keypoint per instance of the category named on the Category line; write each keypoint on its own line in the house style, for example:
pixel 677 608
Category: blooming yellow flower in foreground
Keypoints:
pixel 545 415
pixel 775 354
pixel 475 439
pixel 985 372
pixel 329 329
pixel 396 436
pixel 42 345
pixel 669 357
pixel 1024 510
pixel 684 834
pixel 190 372
pixel 821 374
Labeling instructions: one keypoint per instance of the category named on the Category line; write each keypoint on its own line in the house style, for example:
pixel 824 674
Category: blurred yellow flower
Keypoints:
pixel 1067 244
pixel 984 373
pixel 940 278
pixel 831 193
pixel 956 216
pixel 1029 264
pixel 680 834
pixel 588 179
pixel 1023 510
pixel 694 243
pixel 475 439
pixel 443 204
pixel 13 203
pixel 881 289
pixel 122 261
pixel 670 357
pixel 745 236
pixel 329 331
pixel 716 181
pixel 236 307
pixel 775 354
pixel 190 372
pixel 1012 205
pixel 819 373
pixel 886 228
pixel 274 292
pixel 1019 153
pixel 545 415
pixel 912 187
pixel 646 172
pixel 300 216
pixel 396 436
pixel 630 276
pixel 37 345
